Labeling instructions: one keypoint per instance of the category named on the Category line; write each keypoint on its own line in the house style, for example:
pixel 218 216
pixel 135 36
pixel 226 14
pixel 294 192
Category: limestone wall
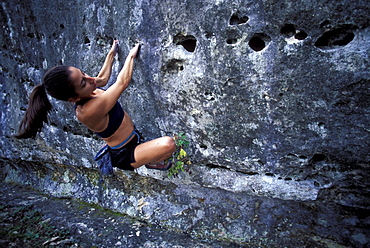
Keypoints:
pixel 273 95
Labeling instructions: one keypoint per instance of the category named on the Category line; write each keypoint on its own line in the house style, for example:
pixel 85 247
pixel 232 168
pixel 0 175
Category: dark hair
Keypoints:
pixel 56 82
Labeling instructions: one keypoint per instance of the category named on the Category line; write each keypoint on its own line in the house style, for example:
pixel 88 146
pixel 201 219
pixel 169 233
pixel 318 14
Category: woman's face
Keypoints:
pixel 84 85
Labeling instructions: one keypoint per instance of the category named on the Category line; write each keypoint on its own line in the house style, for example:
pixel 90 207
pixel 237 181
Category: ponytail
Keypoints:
pixel 37 113
pixel 56 83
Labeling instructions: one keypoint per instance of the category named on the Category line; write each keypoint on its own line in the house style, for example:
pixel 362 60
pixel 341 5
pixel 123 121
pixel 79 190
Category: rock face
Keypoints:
pixel 274 96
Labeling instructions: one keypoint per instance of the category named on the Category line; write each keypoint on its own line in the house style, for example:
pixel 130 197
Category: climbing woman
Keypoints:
pixel 100 111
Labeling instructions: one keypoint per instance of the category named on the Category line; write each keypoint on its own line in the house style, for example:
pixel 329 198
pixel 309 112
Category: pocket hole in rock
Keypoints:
pixel 173 66
pixel 325 24
pixel 300 35
pixel 235 19
pixel 189 42
pixel 318 158
pixel 231 41
pixel 259 41
pixel 86 40
pixel 288 30
pixel 336 37
pixel 232 36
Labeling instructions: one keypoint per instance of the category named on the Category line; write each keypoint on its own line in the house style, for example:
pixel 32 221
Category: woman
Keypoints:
pixel 99 111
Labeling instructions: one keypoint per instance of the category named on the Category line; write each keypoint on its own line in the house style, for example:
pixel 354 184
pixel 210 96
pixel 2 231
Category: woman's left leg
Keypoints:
pixel 154 151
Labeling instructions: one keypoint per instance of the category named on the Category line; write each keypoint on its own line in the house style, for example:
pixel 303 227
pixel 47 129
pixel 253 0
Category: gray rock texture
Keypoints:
pixel 273 94
pixel 87 225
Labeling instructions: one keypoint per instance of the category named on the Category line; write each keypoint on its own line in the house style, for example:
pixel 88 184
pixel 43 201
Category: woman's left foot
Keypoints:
pixel 159 166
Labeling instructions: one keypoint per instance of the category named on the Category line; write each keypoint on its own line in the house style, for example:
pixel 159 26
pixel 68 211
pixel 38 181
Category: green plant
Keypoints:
pixel 180 157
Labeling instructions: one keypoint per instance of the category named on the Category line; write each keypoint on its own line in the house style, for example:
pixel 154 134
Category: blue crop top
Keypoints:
pixel 116 115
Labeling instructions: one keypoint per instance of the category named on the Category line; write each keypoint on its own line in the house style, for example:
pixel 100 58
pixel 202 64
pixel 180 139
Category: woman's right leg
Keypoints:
pixel 154 151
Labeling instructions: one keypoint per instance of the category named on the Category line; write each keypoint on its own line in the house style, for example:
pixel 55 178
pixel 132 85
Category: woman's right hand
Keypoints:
pixel 134 51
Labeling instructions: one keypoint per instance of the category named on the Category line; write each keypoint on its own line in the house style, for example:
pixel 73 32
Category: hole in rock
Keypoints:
pixel 288 179
pixel 318 158
pixel 30 35
pixel 86 40
pixel 189 45
pixel 173 66
pixel 321 125
pixel 324 24
pixel 231 41
pixel 269 174
pixel 235 19
pixel 258 41
pixel 61 26
pixel 257 44
pixel 260 162
pixel 209 96
pixel 232 36
pixel 288 30
pixel 301 35
pixel 203 146
pixel 336 37
pixel 189 42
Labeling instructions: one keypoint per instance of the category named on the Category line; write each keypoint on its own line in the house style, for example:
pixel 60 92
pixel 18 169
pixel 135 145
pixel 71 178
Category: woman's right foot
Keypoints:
pixel 159 166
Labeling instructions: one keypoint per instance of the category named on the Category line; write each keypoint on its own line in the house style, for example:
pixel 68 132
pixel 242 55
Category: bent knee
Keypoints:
pixel 168 144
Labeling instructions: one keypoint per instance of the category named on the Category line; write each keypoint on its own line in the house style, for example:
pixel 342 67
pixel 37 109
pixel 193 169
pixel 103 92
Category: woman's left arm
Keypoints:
pixel 104 74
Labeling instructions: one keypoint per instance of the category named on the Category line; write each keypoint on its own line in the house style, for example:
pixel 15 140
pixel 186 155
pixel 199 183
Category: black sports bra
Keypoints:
pixel 116 115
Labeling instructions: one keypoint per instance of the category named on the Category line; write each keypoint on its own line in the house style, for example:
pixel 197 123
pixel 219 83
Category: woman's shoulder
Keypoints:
pixel 98 91
pixel 86 107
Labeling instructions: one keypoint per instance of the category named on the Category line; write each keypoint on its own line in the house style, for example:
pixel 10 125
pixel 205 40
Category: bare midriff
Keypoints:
pixel 122 133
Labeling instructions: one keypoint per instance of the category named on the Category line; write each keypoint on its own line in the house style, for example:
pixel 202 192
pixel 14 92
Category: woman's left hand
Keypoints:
pixel 115 46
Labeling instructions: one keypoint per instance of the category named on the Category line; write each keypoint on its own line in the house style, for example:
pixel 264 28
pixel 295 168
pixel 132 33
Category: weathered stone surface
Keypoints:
pixel 89 225
pixel 208 214
pixel 273 95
